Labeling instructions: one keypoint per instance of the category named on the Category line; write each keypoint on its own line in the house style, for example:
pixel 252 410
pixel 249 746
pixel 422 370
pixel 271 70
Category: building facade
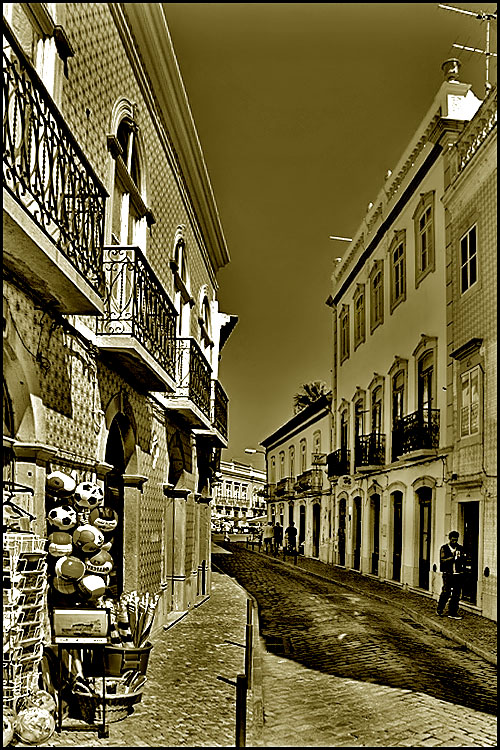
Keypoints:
pixel 237 496
pixel 400 473
pixel 470 202
pixel 112 327
pixel 297 488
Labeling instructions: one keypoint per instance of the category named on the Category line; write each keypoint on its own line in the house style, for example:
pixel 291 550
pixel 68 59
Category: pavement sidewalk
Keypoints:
pixel 476 633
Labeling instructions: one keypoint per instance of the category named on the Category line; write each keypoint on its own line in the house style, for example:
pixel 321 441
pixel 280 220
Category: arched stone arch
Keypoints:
pixel 119 411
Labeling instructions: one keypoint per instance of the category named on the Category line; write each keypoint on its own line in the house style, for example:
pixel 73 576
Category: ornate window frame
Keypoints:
pixel 425 207
pixel 398 241
pixel 376 295
pixel 359 314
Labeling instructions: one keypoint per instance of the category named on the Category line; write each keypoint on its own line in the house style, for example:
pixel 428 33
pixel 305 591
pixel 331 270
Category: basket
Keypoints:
pixel 118 660
pixel 118 707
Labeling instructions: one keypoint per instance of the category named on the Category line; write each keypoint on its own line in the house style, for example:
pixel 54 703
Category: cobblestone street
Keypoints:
pixel 336 667
pixel 346 668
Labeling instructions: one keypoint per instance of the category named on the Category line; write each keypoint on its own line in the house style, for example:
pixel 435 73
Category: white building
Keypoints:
pixel 238 496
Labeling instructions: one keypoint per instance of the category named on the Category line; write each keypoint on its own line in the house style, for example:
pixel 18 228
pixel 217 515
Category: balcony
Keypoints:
pixel 339 462
pixel 53 201
pixel 311 480
pixel 219 411
pixel 138 324
pixel 192 394
pixel 369 451
pixel 285 487
pixel 268 492
pixel 416 432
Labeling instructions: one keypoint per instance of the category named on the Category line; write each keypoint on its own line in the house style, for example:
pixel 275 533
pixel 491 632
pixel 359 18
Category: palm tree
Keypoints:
pixel 309 393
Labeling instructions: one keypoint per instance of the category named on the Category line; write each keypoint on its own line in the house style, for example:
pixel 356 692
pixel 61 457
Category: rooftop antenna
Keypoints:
pixel 480 16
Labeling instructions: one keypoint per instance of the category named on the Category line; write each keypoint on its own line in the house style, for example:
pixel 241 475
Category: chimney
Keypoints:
pixel 450 69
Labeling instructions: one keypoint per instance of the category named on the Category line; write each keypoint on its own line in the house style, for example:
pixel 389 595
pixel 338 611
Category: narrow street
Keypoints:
pixel 343 668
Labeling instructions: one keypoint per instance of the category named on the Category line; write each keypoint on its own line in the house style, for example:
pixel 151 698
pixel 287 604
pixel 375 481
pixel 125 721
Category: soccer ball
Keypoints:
pixel 60 544
pixel 60 484
pixel 34 725
pixel 92 586
pixel 70 568
pixel 88 495
pixel 102 563
pixel 62 516
pixel 88 539
pixel 105 519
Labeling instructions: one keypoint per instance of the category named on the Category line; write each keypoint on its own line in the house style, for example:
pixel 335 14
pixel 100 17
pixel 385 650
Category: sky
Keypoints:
pixel 301 108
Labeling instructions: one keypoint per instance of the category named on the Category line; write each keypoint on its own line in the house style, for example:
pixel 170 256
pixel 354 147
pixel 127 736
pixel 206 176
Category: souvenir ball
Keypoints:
pixel 104 518
pixel 38 699
pixel 63 517
pixel 70 568
pixel 60 543
pixel 34 725
pixel 60 484
pixel 8 729
pixel 64 586
pixel 87 538
pixel 102 563
pixel 92 586
pixel 88 495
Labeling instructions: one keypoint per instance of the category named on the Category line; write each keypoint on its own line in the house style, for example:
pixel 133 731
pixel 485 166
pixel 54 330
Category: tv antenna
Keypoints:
pixel 480 16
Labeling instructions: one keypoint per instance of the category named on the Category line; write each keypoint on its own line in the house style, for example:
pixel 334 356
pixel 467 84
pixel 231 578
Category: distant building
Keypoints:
pixel 297 488
pixel 238 496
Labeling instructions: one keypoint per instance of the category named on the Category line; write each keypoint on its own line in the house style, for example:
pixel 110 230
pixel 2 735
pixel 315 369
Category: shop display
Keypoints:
pixel 63 517
pixel 104 518
pixel 88 495
pixel 60 484
pixel 88 538
pixel 60 544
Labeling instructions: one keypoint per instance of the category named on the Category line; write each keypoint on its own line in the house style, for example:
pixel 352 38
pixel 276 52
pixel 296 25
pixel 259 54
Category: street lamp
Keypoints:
pixel 254 450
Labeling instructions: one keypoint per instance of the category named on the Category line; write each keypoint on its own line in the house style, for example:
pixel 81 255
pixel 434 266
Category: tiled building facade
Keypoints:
pixel 112 244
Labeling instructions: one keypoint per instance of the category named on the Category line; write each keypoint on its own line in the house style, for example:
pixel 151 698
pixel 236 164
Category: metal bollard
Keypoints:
pixel 241 710
pixel 249 644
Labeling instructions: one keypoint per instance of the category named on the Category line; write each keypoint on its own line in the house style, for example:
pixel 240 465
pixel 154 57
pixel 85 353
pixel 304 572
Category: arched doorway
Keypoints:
pixel 397 534
pixel 114 495
pixel 316 529
pixel 341 531
pixel 302 525
pixel 424 495
pixel 356 542
pixel 375 532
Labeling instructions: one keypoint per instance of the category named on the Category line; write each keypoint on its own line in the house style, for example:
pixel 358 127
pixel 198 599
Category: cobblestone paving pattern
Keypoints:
pixel 346 669
pixel 184 704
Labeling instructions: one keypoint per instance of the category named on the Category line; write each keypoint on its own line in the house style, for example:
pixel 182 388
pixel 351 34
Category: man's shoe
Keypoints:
pixel 440 614
pixel 455 617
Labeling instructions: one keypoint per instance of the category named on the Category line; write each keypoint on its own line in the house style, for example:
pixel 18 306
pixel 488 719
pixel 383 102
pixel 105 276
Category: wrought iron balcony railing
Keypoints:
pixel 312 479
pixel 45 170
pixel 137 307
pixel 268 491
pixel 219 408
pixel 193 377
pixel 285 486
pixel 339 462
pixel 416 431
pixel 369 450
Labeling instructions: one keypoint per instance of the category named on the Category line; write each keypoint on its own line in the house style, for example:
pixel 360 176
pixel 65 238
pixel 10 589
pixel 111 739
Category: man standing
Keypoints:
pixel 278 537
pixel 452 563
pixel 268 536
pixel 291 537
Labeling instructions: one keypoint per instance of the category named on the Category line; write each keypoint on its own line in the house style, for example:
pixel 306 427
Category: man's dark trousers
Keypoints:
pixel 452 588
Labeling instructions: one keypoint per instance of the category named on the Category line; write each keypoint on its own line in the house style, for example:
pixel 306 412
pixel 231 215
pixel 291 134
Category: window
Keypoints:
pixel 469 411
pixel 317 442
pixel 424 237
pixel 344 430
pixel 236 491
pixel 291 458
pixel 129 213
pixel 282 464
pixel 376 295
pixel 468 259
pixel 397 255
pixel 398 390
pixel 358 419
pixel 272 471
pixel 425 381
pixel 244 489
pixel 303 455
pixel 359 316
pixel 179 267
pixel 377 411
pixel 344 333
